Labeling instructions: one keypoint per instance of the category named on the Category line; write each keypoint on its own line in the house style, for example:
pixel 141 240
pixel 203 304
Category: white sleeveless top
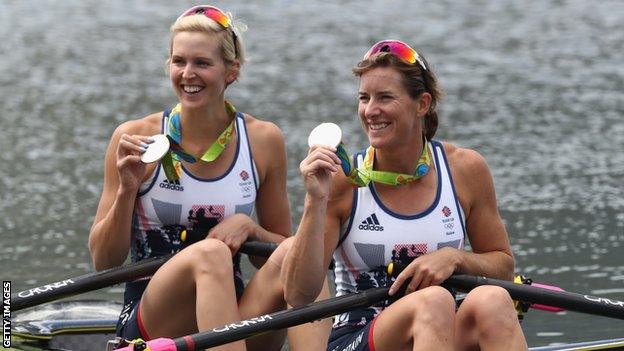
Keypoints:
pixel 192 202
pixel 375 236
pixel 164 209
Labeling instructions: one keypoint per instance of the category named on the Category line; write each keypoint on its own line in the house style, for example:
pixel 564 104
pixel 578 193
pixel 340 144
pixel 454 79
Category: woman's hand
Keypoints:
pixel 234 231
pixel 427 270
pixel 130 168
pixel 316 170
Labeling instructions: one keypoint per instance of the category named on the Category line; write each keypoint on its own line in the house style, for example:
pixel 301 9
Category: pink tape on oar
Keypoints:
pixel 160 344
pixel 544 307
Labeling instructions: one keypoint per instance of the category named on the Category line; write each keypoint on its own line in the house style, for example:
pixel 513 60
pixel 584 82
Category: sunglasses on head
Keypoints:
pixel 215 14
pixel 211 12
pixel 398 49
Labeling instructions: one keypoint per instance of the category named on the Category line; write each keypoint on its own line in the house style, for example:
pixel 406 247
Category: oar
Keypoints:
pixel 262 324
pixel 322 309
pixel 599 306
pixel 539 296
pixel 98 280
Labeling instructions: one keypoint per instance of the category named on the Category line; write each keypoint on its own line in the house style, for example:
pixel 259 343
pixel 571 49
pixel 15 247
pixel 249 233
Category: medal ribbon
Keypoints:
pixel 172 160
pixel 365 174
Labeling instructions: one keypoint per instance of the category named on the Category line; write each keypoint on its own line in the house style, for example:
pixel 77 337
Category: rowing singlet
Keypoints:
pixel 164 209
pixel 375 236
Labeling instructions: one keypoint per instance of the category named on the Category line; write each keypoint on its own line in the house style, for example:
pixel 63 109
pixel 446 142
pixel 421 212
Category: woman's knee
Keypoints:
pixel 210 256
pixel 492 298
pixel 436 297
pixel 427 314
pixel 491 306
pixel 432 305
pixel 277 257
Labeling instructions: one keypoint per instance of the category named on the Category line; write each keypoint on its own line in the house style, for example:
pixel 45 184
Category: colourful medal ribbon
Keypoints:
pixel 172 160
pixel 364 174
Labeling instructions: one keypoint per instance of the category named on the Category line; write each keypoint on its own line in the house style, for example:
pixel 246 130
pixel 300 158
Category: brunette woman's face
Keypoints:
pixel 198 73
pixel 388 114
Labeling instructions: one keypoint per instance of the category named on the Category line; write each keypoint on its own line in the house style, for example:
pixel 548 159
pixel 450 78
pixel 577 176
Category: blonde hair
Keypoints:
pixel 232 47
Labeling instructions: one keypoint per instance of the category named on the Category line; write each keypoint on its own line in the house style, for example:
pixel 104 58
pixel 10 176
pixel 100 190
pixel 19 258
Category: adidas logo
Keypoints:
pixel 173 185
pixel 371 223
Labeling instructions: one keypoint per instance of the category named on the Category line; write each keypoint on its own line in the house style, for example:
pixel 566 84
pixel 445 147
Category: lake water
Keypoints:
pixel 536 87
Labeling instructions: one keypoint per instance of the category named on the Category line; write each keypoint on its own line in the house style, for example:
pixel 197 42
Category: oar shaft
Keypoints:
pixel 570 301
pixel 322 309
pixel 117 275
pixel 86 283
pixel 279 320
pixel 285 319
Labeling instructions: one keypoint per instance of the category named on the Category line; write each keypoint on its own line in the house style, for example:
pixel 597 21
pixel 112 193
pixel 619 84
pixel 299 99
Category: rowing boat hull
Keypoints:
pixel 611 344
pixel 66 325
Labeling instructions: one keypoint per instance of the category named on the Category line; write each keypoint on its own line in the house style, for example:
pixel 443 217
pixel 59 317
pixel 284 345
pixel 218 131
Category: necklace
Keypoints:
pixel 171 162
pixel 365 174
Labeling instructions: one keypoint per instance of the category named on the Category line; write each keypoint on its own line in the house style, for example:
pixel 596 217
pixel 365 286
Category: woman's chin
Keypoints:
pixel 377 143
pixel 377 137
pixel 191 102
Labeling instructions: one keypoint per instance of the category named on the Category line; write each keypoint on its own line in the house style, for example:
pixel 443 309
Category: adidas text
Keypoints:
pixel 167 185
pixel 374 227
pixel 371 223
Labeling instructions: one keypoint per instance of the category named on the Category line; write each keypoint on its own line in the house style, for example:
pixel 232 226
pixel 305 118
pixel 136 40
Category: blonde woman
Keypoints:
pixel 223 164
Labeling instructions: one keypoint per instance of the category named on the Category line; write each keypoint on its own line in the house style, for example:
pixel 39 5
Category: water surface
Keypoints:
pixel 535 87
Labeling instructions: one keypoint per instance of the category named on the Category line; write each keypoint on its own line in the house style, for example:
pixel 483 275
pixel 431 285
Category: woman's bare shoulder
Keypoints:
pixel 471 175
pixel 264 132
pixel 267 142
pixel 148 125
pixel 465 161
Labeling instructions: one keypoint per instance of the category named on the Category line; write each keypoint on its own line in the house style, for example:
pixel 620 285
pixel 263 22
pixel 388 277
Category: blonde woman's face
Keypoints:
pixel 198 73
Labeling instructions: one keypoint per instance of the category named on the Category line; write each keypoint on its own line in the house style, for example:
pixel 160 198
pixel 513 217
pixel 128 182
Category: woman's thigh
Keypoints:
pixel 169 306
pixel 425 317
pixel 265 294
pixel 487 316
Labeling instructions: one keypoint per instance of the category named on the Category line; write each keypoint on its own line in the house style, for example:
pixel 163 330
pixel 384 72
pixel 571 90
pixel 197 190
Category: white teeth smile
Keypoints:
pixel 191 88
pixel 378 126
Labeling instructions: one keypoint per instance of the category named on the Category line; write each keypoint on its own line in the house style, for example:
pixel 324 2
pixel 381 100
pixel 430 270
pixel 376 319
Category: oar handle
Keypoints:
pixel 254 248
pixel 117 275
pixel 257 248
pixel 546 308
